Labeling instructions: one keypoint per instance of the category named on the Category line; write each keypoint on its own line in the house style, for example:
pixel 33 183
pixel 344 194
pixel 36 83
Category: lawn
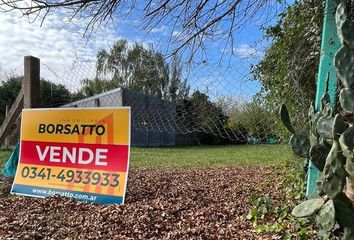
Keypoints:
pixel 194 156
pixel 4 156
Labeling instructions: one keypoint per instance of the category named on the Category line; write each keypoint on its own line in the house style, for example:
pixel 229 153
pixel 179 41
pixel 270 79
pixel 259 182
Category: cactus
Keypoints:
pixel 314 117
pixel 347 33
pixel 346 142
pixel 339 126
pixel 300 145
pixel 311 112
pixel 334 172
pixel 308 207
pixel 344 214
pixel 346 99
pixel 325 99
pixel 344 63
pixel 348 233
pixel 344 26
pixel 318 154
pixel 284 116
pixel 313 140
pixel 327 110
pixel 326 217
pixel 350 180
pixel 350 168
pixel 340 16
pixel 336 163
pixel 324 127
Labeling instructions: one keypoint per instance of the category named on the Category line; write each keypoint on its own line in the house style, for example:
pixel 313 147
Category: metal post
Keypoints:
pixel 329 46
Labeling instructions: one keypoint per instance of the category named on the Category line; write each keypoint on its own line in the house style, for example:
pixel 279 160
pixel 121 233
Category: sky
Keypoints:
pixel 68 57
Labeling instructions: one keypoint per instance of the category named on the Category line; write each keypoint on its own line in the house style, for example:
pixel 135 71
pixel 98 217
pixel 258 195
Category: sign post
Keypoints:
pixel 77 153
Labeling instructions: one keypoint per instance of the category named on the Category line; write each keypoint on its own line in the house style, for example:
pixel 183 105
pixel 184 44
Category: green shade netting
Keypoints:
pixel 10 166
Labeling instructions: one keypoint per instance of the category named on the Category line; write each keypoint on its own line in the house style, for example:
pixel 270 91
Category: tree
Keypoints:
pixel 9 90
pixel 91 87
pixel 252 120
pixel 192 22
pixel 288 69
pixel 51 94
pixel 138 68
pixel 202 115
pixel 258 121
pixel 177 89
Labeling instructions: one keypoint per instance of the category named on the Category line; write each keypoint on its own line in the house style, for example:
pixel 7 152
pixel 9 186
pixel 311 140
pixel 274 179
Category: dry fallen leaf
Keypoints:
pixel 203 203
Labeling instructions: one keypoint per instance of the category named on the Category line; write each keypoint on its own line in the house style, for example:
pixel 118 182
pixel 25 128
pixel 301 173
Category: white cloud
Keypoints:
pixel 57 45
pixel 161 29
pixel 245 50
pixel 176 33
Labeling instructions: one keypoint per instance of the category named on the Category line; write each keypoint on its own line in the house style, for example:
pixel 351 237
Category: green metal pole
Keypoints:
pixel 329 46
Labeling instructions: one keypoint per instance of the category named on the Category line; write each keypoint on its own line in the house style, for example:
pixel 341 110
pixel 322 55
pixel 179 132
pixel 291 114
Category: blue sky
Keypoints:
pixel 68 57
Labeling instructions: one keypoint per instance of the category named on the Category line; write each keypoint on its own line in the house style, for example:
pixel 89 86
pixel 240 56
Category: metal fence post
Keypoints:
pixel 329 46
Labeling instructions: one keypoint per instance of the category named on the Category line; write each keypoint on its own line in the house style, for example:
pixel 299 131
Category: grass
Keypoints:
pixel 4 155
pixel 196 156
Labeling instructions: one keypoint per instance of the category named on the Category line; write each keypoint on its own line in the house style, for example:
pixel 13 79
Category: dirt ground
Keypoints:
pixel 203 203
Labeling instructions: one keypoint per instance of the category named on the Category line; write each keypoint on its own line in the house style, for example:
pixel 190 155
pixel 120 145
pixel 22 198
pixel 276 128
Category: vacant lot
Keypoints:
pixel 173 193
pixel 197 156
pixel 240 155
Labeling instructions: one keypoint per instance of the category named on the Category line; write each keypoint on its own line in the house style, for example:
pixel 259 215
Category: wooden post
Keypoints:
pixel 6 142
pixel 12 115
pixel 27 98
pixel 31 82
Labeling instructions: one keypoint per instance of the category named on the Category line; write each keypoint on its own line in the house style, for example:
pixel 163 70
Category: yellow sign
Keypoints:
pixel 79 153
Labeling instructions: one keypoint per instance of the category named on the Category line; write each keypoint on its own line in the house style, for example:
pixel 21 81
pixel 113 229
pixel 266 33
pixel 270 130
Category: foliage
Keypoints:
pixel 329 144
pixel 9 90
pixel 135 68
pixel 138 68
pixel 51 94
pixel 203 115
pixel 289 66
pixel 264 209
pixel 91 87
pixel 258 120
pixel 177 89
pixel 252 119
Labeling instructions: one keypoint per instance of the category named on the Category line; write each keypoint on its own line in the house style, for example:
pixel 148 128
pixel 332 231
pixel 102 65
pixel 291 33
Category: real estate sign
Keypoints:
pixel 78 153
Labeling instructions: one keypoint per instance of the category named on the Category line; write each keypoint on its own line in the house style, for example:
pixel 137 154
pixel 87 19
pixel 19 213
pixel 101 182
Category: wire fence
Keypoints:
pixel 217 99
pixel 224 103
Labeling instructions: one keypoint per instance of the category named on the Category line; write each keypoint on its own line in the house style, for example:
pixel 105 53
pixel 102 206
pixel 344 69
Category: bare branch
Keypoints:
pixel 191 22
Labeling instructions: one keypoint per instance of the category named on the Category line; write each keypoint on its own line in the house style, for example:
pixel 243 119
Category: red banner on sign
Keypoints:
pixel 75 155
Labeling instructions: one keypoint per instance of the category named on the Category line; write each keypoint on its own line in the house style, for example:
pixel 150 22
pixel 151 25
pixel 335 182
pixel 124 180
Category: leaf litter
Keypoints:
pixel 197 203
